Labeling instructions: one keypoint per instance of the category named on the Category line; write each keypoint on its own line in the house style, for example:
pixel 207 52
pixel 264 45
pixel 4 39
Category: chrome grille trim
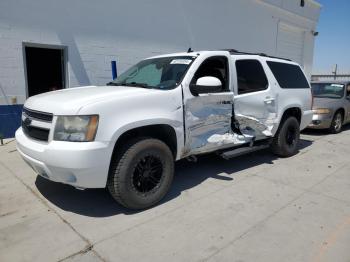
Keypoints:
pixel 41 116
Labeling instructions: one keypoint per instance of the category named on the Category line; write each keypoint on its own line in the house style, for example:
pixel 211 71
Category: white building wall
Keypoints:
pixel 97 32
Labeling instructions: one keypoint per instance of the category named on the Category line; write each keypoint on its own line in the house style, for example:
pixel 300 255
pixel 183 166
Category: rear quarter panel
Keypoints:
pixel 300 98
pixel 293 97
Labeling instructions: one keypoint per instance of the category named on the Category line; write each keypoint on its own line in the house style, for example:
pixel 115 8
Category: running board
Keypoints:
pixel 242 151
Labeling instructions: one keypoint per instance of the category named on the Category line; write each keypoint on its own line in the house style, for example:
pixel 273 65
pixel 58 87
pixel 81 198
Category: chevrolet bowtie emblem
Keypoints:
pixel 27 121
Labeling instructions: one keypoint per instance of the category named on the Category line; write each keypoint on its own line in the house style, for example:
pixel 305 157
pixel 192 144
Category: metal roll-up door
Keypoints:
pixel 290 42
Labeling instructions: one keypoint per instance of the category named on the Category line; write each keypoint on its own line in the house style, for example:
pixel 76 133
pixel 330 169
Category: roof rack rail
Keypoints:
pixel 236 52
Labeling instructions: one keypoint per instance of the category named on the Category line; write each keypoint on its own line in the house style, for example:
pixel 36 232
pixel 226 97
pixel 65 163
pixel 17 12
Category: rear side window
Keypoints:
pixel 250 76
pixel 288 76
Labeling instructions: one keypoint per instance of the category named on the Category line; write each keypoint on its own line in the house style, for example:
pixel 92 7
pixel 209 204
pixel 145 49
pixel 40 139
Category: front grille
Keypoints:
pixel 36 132
pixel 30 127
pixel 43 116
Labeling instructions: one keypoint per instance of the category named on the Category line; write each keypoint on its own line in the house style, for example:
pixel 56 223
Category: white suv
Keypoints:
pixel 127 135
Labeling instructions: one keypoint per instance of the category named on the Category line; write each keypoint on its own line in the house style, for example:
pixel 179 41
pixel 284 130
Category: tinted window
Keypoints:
pixel 250 76
pixel 288 76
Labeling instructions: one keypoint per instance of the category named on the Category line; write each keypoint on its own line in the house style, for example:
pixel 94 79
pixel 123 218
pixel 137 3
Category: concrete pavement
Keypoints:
pixel 252 208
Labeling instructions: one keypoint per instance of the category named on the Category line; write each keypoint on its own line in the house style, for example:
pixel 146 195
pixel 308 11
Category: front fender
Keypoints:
pixel 177 126
pixel 118 116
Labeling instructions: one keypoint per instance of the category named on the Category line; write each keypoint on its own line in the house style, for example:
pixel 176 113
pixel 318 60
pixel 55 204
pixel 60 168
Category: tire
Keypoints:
pixel 337 123
pixel 141 174
pixel 286 141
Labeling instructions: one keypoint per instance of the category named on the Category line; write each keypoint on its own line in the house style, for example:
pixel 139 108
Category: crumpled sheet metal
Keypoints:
pixel 229 138
pixel 204 118
pixel 209 127
pixel 250 124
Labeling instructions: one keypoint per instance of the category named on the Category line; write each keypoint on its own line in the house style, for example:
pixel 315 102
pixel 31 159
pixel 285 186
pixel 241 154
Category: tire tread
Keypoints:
pixel 332 129
pixel 277 146
pixel 114 183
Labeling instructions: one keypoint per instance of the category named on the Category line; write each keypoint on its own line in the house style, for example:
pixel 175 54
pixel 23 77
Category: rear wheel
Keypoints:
pixel 142 173
pixel 337 123
pixel 285 143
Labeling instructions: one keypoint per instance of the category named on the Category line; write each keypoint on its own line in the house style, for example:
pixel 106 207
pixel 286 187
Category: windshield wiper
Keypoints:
pixel 112 84
pixel 143 85
pixel 133 84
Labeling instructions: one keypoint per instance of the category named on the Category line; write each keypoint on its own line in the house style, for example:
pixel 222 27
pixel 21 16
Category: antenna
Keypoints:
pixel 189 50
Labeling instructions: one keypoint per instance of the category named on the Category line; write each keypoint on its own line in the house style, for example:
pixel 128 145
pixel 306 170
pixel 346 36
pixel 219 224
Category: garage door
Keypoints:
pixel 290 42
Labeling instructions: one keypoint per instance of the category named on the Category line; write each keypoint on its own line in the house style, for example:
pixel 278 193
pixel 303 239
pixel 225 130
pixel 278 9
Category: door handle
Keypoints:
pixel 269 100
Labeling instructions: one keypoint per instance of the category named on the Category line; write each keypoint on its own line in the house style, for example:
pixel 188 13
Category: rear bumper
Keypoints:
pixel 321 121
pixel 82 165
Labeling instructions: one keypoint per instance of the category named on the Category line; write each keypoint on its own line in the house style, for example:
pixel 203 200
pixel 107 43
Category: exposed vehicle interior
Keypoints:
pixel 215 67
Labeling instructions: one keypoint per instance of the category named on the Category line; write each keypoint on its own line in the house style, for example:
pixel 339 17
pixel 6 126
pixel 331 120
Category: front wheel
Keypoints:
pixel 337 123
pixel 285 142
pixel 141 174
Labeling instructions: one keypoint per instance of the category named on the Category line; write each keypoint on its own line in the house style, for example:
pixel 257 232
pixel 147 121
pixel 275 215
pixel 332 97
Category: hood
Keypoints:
pixel 326 102
pixel 70 101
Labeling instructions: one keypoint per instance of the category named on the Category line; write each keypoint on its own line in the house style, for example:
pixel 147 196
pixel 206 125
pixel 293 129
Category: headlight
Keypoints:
pixel 321 111
pixel 76 128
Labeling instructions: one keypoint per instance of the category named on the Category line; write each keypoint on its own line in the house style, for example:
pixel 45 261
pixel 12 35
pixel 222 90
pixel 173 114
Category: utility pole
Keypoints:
pixel 335 71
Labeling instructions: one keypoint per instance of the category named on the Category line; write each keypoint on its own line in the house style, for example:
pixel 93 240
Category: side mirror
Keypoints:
pixel 206 84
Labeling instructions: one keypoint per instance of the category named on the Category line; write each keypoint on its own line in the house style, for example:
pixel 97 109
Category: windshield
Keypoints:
pixel 327 90
pixel 159 73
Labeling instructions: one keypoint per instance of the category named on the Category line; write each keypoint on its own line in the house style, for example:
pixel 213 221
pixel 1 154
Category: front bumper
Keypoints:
pixel 80 164
pixel 306 119
pixel 321 121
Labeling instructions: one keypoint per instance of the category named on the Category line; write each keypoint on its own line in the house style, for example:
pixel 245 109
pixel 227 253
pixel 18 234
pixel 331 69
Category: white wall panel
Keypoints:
pixel 97 32
pixel 290 42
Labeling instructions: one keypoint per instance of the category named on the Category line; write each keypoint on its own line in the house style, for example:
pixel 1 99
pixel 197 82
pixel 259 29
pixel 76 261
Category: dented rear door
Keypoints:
pixel 256 100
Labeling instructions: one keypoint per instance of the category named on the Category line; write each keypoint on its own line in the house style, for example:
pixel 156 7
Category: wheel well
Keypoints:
pixel 294 111
pixel 164 133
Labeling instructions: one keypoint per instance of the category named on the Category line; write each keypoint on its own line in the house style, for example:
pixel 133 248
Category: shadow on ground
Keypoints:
pixel 99 203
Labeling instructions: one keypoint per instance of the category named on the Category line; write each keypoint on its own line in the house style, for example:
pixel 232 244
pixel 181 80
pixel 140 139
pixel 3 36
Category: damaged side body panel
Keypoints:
pixel 210 123
pixel 216 121
pixel 251 126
